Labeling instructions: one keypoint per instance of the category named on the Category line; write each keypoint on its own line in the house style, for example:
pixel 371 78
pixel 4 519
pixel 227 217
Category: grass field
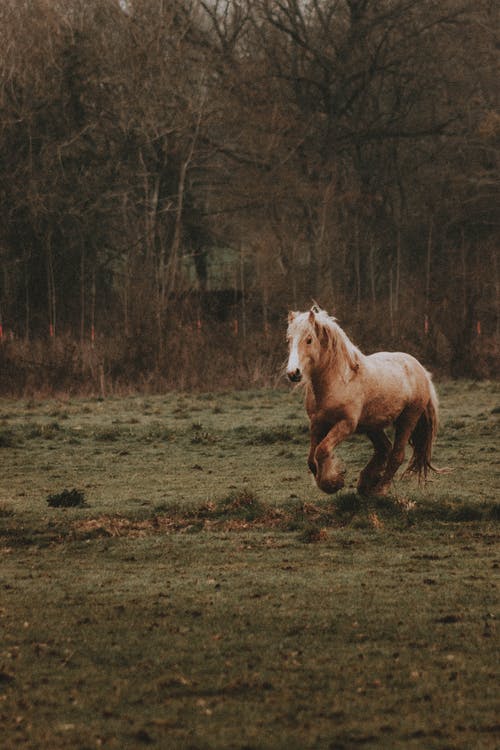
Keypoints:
pixel 201 593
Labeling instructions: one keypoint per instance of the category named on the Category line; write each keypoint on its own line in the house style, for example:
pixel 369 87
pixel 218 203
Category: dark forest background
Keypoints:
pixel 176 174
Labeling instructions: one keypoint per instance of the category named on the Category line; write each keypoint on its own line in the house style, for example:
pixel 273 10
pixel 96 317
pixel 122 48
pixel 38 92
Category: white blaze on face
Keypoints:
pixel 295 334
pixel 293 367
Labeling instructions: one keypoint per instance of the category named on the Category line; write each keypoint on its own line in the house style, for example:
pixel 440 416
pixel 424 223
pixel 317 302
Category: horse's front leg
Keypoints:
pixel 318 431
pixel 329 474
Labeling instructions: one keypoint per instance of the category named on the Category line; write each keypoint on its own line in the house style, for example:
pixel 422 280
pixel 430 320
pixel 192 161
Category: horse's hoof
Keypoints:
pixel 367 488
pixel 330 486
pixel 379 490
pixel 364 489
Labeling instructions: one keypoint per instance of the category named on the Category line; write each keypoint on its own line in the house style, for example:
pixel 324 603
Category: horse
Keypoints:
pixel 349 392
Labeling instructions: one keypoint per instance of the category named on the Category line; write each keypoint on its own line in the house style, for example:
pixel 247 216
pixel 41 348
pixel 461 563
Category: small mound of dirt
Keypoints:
pixel 67 499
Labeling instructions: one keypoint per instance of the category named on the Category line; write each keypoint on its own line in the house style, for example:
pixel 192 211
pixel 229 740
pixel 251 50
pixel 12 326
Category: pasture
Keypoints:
pixel 201 593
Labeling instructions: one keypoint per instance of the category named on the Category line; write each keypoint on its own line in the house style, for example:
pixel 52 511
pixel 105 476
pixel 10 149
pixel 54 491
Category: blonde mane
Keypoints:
pixel 344 353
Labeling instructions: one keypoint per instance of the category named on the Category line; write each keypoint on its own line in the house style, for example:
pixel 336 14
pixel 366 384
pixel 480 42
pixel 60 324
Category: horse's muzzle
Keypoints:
pixel 295 376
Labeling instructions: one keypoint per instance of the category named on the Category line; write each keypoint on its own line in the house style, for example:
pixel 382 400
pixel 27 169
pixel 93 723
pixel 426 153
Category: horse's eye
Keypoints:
pixel 309 341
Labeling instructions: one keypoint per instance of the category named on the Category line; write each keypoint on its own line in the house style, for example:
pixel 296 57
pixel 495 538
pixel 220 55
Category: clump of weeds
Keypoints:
pixel 7 438
pixel 37 430
pixel 201 436
pixel 108 435
pixel 278 434
pixel 312 533
pixel 241 504
pixel 6 510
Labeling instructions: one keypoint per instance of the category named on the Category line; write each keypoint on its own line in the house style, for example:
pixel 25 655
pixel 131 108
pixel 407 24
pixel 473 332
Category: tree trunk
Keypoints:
pixel 82 294
pixel 27 304
pixel 51 290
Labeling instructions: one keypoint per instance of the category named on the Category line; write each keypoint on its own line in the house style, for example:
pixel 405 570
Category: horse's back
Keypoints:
pixel 399 375
pixel 397 365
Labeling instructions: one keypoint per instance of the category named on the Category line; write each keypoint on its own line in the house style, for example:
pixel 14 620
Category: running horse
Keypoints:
pixel 349 392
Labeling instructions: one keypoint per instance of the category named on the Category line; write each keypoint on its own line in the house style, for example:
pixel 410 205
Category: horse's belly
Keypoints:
pixel 380 413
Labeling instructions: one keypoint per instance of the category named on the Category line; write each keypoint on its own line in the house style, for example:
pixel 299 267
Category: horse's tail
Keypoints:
pixel 423 436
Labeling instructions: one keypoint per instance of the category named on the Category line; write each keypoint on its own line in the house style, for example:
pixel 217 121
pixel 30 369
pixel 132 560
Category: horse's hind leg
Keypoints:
pixel 373 472
pixel 404 426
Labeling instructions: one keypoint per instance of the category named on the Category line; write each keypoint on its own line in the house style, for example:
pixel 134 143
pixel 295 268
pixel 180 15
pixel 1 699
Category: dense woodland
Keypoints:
pixel 176 174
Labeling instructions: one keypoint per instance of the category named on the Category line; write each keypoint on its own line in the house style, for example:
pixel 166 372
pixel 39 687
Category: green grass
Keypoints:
pixel 204 594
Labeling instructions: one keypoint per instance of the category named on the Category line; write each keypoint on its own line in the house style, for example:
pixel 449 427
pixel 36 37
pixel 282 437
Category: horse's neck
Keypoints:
pixel 322 380
pixel 310 400
pixel 332 376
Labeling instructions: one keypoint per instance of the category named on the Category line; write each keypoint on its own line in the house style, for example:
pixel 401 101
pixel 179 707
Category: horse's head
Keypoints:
pixel 316 341
pixel 307 339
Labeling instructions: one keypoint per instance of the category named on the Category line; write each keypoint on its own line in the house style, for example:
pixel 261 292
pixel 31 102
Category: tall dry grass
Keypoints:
pixel 188 359
pixel 204 355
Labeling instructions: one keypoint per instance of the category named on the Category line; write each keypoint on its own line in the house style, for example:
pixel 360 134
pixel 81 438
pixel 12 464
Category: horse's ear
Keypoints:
pixel 291 316
pixel 312 317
